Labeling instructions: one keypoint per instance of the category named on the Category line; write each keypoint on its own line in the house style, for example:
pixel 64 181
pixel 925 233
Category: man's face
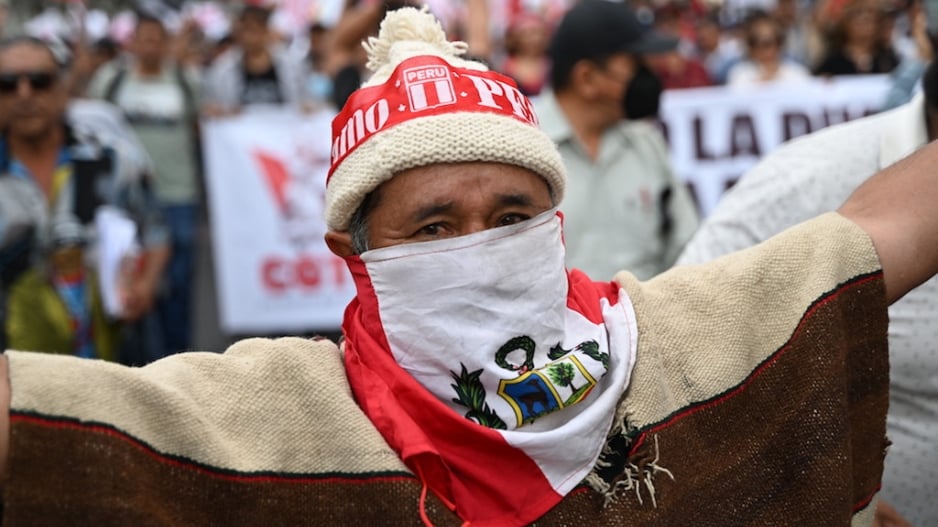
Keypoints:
pixel 449 200
pixel 615 75
pixel 764 42
pixel 252 34
pixel 318 42
pixel 150 43
pixel 32 94
pixel 708 36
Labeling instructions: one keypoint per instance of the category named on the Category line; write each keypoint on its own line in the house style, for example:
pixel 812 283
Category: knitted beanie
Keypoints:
pixel 424 105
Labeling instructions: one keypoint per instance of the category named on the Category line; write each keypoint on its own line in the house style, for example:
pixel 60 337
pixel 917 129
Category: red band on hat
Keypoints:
pixel 421 87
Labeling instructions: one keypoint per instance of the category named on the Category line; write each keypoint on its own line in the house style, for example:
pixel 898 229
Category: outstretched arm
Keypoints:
pixel 896 208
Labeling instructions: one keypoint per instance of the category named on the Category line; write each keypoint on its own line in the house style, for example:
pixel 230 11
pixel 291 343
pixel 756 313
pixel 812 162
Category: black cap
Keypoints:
pixel 595 29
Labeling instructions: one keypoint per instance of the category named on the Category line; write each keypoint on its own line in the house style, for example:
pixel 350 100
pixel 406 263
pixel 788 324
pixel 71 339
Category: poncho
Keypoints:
pixel 758 397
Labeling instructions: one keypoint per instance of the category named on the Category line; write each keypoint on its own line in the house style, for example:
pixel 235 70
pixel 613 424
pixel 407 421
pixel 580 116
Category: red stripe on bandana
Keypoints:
pixel 420 87
pixel 584 295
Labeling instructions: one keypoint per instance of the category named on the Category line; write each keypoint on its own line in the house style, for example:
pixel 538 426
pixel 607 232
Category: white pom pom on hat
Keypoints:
pixel 425 104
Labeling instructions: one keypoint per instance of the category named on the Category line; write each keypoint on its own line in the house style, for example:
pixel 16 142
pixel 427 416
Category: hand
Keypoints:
pixel 920 36
pixel 138 298
pixel 140 277
pixel 887 516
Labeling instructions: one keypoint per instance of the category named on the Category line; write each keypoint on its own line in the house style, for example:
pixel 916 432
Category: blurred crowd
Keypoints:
pixel 102 103
pixel 735 42
pixel 166 65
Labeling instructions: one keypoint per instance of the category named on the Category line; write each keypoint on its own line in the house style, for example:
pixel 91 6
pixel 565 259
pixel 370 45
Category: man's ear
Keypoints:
pixel 340 243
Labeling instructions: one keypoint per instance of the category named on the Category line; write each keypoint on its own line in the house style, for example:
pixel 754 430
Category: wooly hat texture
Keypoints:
pixel 425 104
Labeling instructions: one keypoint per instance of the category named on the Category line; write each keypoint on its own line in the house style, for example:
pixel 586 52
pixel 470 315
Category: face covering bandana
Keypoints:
pixel 491 370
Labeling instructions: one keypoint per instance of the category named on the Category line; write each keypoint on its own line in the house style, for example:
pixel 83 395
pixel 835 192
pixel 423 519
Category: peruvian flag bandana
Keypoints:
pixel 492 371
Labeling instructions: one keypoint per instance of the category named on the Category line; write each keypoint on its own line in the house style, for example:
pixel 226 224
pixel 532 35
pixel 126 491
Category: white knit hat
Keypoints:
pixel 425 105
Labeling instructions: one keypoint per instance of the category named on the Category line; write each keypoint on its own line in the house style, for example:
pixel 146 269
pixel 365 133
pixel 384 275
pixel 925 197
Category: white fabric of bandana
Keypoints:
pixel 488 314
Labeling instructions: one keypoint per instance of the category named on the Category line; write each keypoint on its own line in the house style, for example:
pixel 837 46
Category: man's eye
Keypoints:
pixel 430 230
pixel 511 219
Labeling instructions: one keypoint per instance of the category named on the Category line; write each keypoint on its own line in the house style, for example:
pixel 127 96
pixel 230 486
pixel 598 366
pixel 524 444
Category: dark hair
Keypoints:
pixel 107 46
pixel 317 28
pixel 225 40
pixel 562 67
pixel 257 13
pixel 836 34
pixel 394 5
pixel 759 17
pixel 344 83
pixel 708 19
pixel 146 18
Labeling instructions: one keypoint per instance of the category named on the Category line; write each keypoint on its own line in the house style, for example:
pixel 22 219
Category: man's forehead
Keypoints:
pixel 441 179
pixel 26 53
pixel 151 27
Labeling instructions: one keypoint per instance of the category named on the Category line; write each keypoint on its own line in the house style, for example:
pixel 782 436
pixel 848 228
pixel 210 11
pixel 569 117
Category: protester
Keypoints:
pixel 318 80
pixel 765 62
pixel 678 72
pixel 794 19
pixel 526 61
pixel 486 384
pixel 58 171
pixel 715 50
pixel 257 70
pixel 854 40
pixel 87 59
pixel 624 207
pixel 159 97
pixel 676 66
pixel 813 175
pixel 906 78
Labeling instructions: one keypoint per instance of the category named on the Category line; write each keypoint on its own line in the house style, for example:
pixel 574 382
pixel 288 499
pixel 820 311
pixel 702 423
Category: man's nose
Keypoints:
pixel 474 225
pixel 23 87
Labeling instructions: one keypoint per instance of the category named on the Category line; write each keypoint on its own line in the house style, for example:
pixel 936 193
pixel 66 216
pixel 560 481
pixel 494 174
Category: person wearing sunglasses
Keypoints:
pixel 765 61
pixel 61 167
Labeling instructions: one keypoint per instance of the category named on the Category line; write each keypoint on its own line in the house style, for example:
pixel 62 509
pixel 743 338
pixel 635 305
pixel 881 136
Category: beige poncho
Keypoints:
pixel 758 398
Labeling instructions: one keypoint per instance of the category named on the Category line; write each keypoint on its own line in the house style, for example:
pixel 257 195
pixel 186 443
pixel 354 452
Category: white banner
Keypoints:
pixel 266 174
pixel 716 134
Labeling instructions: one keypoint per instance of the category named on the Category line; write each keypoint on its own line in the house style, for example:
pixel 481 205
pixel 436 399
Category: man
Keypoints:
pixel 158 97
pixel 624 208
pixel 815 174
pixel 59 169
pixel 487 385
pixel 255 71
